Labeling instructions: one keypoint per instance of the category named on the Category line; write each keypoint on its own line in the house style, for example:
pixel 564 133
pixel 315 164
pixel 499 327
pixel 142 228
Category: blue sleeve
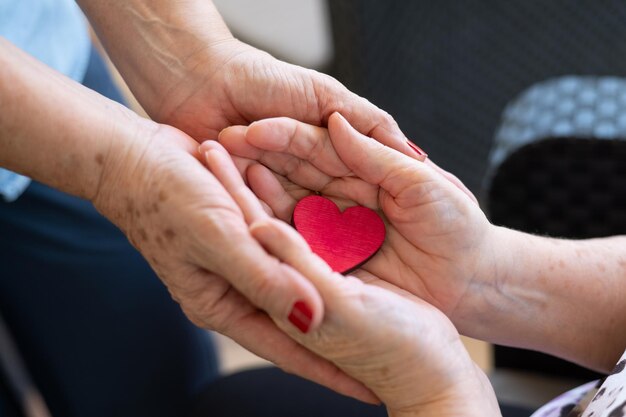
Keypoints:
pixel 12 185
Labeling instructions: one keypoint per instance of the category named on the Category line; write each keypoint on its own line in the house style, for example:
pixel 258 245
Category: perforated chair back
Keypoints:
pixel 445 69
pixel 564 178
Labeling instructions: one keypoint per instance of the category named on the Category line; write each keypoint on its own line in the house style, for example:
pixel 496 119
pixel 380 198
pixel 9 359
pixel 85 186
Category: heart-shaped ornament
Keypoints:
pixel 344 240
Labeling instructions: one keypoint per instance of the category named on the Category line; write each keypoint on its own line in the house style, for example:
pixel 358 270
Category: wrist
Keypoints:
pixel 471 397
pixel 62 138
pixel 500 297
pixel 139 165
pixel 483 295
pixel 536 284
pixel 120 171
pixel 156 45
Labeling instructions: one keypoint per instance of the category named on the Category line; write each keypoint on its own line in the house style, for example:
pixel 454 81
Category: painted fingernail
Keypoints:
pixel 301 316
pixel 416 148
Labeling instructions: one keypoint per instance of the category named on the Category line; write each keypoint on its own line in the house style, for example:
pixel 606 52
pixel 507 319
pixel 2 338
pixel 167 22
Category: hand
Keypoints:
pixel 196 238
pixel 187 70
pixel 437 244
pixel 238 84
pixel 405 350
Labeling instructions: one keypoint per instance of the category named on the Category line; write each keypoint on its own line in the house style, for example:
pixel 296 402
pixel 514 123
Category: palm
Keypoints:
pixel 434 229
pixel 423 253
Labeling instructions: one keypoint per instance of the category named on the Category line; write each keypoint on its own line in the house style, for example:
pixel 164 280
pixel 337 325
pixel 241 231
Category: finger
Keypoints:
pixel 228 312
pixel 286 353
pixel 241 162
pixel 374 162
pixel 274 287
pixel 267 142
pixel 233 138
pixel 284 242
pixel 268 209
pixel 312 166
pixel 270 190
pixel 242 165
pixel 239 258
pixel 222 166
pixel 419 154
pixel 304 141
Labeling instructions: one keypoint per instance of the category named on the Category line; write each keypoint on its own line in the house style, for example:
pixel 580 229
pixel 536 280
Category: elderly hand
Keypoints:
pixel 238 84
pixel 196 238
pixel 187 70
pixel 437 245
pixel 405 350
pixel 147 179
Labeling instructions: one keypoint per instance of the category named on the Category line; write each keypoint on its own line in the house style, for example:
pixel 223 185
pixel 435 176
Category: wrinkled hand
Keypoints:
pixel 437 244
pixel 405 350
pixel 238 84
pixel 196 238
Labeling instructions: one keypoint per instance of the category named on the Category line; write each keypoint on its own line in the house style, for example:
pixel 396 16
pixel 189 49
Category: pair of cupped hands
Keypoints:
pixel 388 325
pixel 384 333
pixel 219 240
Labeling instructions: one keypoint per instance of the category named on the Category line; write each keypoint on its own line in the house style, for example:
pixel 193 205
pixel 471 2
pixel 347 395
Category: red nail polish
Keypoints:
pixel 301 316
pixel 416 148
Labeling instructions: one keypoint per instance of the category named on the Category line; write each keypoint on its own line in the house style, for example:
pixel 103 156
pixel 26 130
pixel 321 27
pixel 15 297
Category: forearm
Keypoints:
pixel 52 129
pixel 157 44
pixel 563 297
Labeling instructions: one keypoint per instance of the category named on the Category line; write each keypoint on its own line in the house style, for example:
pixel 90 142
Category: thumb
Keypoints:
pixel 374 162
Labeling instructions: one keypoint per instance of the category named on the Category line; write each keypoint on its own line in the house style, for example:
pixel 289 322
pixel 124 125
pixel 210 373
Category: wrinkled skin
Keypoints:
pixel 239 84
pixel 195 236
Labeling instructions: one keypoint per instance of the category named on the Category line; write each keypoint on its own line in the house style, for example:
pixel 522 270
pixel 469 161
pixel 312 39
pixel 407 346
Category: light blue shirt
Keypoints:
pixel 53 31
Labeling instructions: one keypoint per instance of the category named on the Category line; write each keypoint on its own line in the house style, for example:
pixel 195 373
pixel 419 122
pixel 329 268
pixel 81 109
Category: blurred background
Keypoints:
pixel 521 100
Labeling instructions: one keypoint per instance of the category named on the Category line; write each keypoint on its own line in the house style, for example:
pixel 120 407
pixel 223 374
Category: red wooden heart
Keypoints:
pixel 344 240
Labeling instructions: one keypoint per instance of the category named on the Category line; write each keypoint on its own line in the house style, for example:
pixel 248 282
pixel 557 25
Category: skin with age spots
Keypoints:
pixel 143 234
pixel 169 234
pixel 93 148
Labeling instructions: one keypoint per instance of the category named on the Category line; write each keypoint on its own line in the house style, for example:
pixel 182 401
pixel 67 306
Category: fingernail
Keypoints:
pixel 301 316
pixel 416 148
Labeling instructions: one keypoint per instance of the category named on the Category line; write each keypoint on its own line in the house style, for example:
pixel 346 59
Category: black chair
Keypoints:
pixel 558 168
pixel 446 69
